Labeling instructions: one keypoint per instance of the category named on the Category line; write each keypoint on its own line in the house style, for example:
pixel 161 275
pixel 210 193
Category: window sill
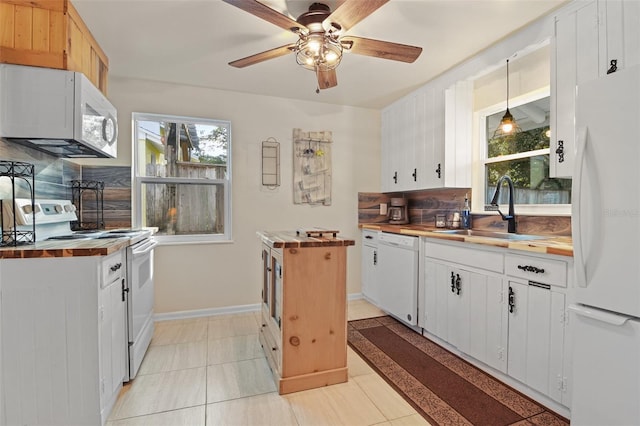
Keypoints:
pixel 179 240
pixel 534 210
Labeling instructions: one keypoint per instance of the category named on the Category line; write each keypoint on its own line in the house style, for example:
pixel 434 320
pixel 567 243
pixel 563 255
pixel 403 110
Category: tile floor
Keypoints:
pixel 211 371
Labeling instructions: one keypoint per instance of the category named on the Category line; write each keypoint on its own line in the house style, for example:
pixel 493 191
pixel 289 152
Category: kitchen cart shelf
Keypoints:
pixel 94 190
pixel 11 235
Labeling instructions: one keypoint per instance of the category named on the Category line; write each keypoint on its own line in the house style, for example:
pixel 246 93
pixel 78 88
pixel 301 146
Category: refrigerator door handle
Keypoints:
pixel 579 266
pixel 600 315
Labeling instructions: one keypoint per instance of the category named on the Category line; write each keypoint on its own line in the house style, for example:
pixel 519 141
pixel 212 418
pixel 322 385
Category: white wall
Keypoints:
pixel 204 276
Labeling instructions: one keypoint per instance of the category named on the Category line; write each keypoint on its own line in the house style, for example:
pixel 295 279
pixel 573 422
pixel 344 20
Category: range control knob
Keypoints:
pixel 58 208
pixel 27 209
pixel 67 208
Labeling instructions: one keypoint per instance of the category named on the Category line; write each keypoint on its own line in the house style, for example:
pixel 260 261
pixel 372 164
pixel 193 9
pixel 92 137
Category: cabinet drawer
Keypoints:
pixel 113 268
pixel 370 237
pixel 271 349
pixel 547 271
pixel 474 257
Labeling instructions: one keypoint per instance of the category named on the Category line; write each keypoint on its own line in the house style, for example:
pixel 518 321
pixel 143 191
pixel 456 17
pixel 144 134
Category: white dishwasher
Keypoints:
pixel 398 276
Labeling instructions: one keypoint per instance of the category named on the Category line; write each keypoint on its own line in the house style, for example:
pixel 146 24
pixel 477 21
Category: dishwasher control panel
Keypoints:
pixel 403 241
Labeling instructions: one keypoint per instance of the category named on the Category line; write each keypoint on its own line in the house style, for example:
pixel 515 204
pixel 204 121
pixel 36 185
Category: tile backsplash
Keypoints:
pixel 53 178
pixel 424 205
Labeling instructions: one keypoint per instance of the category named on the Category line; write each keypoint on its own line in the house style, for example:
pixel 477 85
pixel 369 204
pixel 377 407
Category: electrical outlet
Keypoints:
pixel 383 209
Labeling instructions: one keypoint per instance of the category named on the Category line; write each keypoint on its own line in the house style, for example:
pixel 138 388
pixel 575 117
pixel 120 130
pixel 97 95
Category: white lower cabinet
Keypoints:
pixel 536 337
pixel 465 306
pixel 369 266
pixel 538 324
pixel 63 339
pixel 506 310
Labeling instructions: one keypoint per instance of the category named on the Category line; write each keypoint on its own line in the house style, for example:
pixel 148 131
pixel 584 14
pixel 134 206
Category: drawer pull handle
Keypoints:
pixel 529 268
pixel 453 282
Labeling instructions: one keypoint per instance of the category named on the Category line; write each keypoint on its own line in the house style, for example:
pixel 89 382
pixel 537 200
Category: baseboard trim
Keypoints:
pixel 199 313
pixel 238 309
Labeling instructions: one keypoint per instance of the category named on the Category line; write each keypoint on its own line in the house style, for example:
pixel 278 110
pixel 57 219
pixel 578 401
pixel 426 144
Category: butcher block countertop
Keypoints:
pixel 65 248
pixel 558 245
pixel 304 238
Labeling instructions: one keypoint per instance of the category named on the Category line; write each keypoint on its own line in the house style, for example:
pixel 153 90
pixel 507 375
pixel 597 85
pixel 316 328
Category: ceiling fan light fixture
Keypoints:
pixel 318 51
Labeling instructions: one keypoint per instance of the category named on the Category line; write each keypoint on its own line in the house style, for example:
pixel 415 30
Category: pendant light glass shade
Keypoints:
pixel 508 125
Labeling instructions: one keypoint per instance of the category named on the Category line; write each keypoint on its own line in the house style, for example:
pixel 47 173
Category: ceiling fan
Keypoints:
pixel 321 39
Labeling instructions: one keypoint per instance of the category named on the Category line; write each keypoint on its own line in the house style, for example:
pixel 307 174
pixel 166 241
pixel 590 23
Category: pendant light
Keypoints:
pixel 508 125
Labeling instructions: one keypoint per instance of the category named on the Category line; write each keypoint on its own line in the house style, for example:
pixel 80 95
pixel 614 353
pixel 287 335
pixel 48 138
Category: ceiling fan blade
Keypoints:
pixel 265 12
pixel 349 13
pixel 263 56
pixel 327 79
pixel 381 49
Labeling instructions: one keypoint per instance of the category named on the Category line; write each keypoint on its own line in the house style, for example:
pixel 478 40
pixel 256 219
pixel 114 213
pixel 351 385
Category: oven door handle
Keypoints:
pixel 145 247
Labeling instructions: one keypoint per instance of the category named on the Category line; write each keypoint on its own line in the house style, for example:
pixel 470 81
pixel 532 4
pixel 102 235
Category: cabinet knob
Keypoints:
pixel 294 340
pixel 327 256
pixel 613 66
pixel 439 171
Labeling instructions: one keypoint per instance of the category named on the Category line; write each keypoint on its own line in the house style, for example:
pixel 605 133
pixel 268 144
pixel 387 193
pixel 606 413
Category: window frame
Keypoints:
pixel 139 181
pixel 479 189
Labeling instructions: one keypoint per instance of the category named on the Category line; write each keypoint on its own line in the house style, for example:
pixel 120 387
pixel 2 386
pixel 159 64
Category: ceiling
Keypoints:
pixel 192 41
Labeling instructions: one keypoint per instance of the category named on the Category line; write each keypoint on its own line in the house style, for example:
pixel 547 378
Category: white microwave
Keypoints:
pixel 56 111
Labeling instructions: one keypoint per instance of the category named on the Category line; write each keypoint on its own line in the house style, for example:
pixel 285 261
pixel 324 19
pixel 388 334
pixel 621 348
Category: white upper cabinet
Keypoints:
pixel 588 37
pixel 457 134
pixel 413 142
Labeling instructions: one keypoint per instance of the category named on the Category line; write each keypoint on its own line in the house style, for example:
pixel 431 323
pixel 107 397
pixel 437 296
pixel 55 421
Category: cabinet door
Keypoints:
pixel 574 60
pixel 488 320
pixel 458 309
pixel 391 150
pixel 619 33
pixel 407 145
pixel 536 337
pixel 113 349
pixel 458 119
pixel 369 273
pixel 266 276
pixel 275 309
pixel 437 288
pixel 432 174
pixel 441 313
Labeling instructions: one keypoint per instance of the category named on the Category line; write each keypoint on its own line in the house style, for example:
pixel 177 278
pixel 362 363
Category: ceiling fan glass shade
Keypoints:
pixel 508 124
pixel 318 52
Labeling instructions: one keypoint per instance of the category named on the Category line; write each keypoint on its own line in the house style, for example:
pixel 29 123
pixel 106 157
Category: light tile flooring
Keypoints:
pixel 212 371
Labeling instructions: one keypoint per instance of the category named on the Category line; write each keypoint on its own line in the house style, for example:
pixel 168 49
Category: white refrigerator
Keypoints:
pixel 606 237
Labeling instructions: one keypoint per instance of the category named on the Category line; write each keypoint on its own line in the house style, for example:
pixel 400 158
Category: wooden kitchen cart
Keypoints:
pixel 304 309
pixel 50 34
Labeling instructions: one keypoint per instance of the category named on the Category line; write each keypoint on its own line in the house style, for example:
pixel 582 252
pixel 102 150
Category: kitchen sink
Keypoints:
pixel 490 234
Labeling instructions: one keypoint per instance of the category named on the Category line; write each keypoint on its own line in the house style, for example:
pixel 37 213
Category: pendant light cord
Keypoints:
pixel 507 85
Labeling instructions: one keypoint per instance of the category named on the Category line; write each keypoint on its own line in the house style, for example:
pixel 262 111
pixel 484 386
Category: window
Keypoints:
pixel 524 157
pixel 182 177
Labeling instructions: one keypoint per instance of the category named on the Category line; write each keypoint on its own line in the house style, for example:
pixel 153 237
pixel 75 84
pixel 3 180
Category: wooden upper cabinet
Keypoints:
pixel 51 34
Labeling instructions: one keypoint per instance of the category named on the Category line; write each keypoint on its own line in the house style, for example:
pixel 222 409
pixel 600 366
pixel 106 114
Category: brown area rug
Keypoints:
pixel 443 387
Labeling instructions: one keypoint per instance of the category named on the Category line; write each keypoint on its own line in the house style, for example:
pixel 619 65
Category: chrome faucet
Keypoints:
pixel 511 217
